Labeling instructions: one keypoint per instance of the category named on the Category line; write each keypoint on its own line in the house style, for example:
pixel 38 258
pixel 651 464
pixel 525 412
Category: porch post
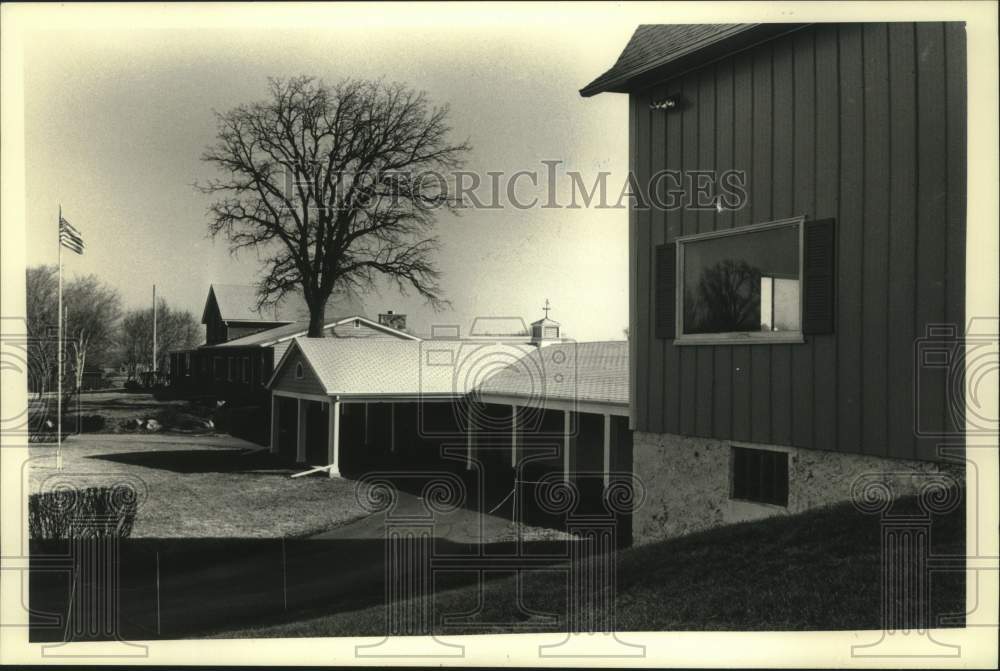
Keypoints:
pixel 607 449
pixel 567 456
pixel 513 436
pixel 300 434
pixel 333 439
pixel 274 423
pixel 365 440
pixel 470 440
pixel 392 427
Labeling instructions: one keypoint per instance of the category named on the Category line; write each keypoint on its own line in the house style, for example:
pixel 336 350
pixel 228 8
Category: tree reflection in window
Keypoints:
pixel 742 283
pixel 727 299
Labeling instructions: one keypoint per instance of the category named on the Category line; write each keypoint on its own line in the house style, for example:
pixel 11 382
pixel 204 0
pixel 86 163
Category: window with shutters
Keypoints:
pixel 740 285
pixel 760 476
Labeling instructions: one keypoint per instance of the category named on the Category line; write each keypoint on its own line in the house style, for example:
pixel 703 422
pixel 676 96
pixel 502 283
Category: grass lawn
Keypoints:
pixel 816 571
pixel 201 486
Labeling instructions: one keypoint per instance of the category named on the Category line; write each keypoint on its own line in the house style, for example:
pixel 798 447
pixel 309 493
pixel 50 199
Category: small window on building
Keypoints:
pixel 246 369
pixel 741 283
pixel 264 374
pixel 217 365
pixel 187 364
pixel 298 371
pixel 760 476
pixel 232 369
pixel 357 323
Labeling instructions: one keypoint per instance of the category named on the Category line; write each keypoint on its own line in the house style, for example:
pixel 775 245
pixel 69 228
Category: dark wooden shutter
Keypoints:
pixel 666 291
pixel 820 271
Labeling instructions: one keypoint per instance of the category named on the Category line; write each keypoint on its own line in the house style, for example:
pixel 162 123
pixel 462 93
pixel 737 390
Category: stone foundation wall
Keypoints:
pixel 687 482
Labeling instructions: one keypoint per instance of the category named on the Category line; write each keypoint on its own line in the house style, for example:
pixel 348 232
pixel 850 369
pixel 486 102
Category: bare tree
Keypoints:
pixel 92 312
pixel 334 187
pixel 175 329
pixel 42 302
pixel 728 299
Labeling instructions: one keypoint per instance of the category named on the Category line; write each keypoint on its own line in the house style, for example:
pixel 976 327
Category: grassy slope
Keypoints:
pixel 815 571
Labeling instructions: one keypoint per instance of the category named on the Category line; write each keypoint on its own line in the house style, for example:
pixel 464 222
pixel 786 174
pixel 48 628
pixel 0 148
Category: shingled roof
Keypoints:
pixel 588 372
pixel 655 48
pixel 593 372
pixel 366 367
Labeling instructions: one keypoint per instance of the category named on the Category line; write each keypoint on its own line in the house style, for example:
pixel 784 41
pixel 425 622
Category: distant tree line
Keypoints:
pixel 97 332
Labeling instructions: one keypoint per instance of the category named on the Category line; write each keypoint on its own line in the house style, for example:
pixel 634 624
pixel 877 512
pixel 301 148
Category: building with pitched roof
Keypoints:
pixel 813 243
pixel 518 411
pixel 243 342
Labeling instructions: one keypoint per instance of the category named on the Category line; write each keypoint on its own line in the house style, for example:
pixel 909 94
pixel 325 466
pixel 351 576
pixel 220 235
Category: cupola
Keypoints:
pixel 545 331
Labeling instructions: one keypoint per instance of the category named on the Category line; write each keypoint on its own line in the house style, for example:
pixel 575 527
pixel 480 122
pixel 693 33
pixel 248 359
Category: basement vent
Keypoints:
pixel 760 476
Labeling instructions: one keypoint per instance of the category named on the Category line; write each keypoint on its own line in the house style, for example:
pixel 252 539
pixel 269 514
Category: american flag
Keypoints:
pixel 69 237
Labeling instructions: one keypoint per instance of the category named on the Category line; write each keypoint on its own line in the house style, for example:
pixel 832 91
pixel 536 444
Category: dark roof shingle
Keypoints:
pixel 655 45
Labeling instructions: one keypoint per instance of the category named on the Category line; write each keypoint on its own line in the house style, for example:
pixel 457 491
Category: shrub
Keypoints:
pixel 132 385
pixel 174 418
pixel 90 423
pixel 93 512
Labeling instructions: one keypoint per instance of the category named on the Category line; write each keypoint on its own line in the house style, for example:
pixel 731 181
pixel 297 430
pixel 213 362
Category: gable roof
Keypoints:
pixel 272 336
pixel 588 372
pixel 367 367
pixel 238 302
pixel 657 50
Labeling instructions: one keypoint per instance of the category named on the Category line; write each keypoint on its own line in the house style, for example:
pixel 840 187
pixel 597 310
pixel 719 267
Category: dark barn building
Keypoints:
pixel 243 344
pixel 774 336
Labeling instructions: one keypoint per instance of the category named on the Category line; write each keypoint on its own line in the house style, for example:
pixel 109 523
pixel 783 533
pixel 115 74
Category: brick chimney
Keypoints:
pixel 392 320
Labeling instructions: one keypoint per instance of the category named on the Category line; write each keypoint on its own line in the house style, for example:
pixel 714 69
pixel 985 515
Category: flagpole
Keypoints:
pixel 59 345
pixel 153 379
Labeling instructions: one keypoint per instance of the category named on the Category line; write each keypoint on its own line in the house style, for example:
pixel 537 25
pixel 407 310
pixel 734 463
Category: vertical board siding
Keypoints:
pixel 932 230
pixel 658 149
pixel 722 366
pixel 672 355
pixel 803 202
pixel 875 245
pixel 689 225
pixel 862 123
pixel 956 169
pixel 634 281
pixel 849 238
pixel 742 160
pixel 783 170
pixel 902 232
pixel 644 267
pixel 705 359
pixel 761 167
pixel 827 161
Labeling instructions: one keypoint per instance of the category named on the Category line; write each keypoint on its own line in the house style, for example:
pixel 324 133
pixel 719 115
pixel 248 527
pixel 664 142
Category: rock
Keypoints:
pixel 152 425
pixel 209 424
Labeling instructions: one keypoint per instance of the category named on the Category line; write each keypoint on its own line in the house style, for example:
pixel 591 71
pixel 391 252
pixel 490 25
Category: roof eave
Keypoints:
pixel 724 44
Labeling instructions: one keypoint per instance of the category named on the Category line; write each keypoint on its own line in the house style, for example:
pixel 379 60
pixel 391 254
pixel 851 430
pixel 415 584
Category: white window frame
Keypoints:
pixel 738 337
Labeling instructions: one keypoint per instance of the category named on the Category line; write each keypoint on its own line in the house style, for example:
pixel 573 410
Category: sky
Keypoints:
pixel 117 116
